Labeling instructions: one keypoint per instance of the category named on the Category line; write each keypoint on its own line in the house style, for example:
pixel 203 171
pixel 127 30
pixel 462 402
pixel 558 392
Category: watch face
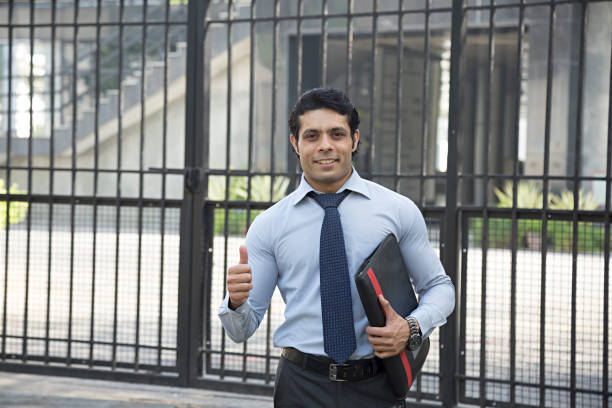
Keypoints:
pixel 415 342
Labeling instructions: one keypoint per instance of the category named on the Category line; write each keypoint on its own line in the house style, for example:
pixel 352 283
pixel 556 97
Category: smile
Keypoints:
pixel 326 161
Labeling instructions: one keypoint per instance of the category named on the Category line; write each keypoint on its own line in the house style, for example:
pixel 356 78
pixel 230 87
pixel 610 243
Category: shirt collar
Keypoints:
pixel 354 183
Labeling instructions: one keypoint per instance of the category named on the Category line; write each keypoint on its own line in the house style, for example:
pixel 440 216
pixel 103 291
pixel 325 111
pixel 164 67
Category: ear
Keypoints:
pixel 355 140
pixel 294 143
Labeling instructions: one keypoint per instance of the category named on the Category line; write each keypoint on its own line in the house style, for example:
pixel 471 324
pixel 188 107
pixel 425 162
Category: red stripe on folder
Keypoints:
pixel 403 356
pixel 374 281
pixel 406 367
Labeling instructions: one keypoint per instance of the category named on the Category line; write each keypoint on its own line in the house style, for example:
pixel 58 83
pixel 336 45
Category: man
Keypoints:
pixel 283 248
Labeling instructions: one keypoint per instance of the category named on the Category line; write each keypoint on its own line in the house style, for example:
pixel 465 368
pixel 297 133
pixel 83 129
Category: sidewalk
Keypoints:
pixel 37 391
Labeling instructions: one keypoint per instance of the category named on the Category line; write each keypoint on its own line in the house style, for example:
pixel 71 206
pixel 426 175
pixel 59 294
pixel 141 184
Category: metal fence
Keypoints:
pixel 139 139
pixel 90 233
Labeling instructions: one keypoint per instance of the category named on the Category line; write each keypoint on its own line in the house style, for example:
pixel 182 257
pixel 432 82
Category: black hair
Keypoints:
pixel 323 98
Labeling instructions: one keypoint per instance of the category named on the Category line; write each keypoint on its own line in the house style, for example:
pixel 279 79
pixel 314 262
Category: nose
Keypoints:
pixel 325 142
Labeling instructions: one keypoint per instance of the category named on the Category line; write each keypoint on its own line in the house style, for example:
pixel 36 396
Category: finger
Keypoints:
pixel 238 300
pixel 239 270
pixel 376 331
pixel 244 255
pixel 382 354
pixel 239 277
pixel 239 287
pixel 385 354
pixel 384 342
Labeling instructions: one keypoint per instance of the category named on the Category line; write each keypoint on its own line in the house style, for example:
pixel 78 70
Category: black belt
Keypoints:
pixel 352 370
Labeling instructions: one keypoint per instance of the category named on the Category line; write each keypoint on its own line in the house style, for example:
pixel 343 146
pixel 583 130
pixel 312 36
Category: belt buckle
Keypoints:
pixel 333 371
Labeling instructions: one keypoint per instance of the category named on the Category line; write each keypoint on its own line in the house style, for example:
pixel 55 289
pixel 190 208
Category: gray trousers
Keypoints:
pixel 297 387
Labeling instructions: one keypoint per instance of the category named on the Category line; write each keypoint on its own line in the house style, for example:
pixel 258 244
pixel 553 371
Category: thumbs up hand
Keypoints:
pixel 239 280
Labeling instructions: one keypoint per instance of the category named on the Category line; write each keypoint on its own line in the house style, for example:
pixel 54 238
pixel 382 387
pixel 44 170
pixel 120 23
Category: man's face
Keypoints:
pixel 325 148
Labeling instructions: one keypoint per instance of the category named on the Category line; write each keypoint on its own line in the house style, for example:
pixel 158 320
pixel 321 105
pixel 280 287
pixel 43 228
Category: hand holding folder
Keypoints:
pixel 384 272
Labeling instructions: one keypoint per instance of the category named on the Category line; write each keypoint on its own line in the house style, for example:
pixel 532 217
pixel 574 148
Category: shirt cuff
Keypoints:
pixel 236 322
pixel 424 320
pixel 241 311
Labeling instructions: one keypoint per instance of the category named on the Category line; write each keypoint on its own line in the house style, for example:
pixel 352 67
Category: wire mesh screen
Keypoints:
pixel 90 294
pixel 428 385
pixel 534 315
pixel 257 358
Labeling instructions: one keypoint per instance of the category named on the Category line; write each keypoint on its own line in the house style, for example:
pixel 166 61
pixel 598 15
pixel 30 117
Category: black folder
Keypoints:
pixel 384 271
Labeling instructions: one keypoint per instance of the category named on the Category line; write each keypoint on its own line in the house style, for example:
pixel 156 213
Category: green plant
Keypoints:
pixel 18 210
pixel 261 186
pixel 565 201
pixel 559 234
pixel 529 195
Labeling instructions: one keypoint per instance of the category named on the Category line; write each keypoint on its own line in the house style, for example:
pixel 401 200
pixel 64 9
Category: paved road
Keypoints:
pixel 34 391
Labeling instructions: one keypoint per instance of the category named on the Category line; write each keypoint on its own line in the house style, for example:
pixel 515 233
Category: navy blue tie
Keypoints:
pixel 336 305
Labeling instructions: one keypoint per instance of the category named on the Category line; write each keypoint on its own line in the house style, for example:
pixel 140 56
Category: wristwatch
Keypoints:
pixel 415 340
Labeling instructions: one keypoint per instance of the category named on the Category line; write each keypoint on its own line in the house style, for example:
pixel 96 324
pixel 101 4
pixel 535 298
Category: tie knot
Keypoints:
pixel 329 200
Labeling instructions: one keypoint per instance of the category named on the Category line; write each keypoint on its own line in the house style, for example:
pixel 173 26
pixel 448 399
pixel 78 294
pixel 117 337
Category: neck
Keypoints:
pixel 328 188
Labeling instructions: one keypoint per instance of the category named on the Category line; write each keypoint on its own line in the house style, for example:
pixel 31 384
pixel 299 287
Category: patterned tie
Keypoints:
pixel 336 304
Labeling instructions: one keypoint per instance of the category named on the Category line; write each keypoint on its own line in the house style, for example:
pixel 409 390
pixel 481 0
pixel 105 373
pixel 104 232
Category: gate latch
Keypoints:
pixel 193 175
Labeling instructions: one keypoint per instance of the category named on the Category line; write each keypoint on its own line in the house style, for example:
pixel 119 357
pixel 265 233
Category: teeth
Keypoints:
pixel 327 161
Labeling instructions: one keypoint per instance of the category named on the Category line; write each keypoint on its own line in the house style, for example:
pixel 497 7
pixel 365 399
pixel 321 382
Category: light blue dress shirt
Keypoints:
pixel 283 248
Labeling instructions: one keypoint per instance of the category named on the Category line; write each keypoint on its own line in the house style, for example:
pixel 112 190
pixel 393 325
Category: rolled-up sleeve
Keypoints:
pixel 240 324
pixel 436 291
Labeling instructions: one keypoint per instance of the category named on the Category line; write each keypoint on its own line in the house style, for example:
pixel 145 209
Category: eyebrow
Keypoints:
pixel 334 129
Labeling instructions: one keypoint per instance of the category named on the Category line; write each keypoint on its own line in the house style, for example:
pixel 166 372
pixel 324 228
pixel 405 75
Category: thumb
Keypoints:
pixel 244 255
pixel 384 303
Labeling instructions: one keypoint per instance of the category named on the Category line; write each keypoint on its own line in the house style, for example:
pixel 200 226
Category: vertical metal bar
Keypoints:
pixel 424 107
pixel 143 70
pixel 349 47
pixel 324 33
pixel 547 129
pixel 8 175
pixel 372 152
pixel 465 241
pixel 275 34
pixel 487 105
pixel 92 304
pixel 606 292
pixel 482 386
pixel 75 76
pixel 250 149
pixel 196 154
pixel 209 236
pixel 398 97
pixel 160 318
pixel 268 343
pixel 577 169
pixel 272 164
pixel 118 192
pixel 449 246
pixel 298 84
pixel 300 51
pixel 228 140
pixel 225 264
pixel 513 311
pixel 51 179
pixel 485 212
pixel 201 317
pixel 24 338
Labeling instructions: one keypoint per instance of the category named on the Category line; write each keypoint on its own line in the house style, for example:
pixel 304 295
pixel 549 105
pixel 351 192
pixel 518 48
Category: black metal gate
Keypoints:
pixel 139 139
